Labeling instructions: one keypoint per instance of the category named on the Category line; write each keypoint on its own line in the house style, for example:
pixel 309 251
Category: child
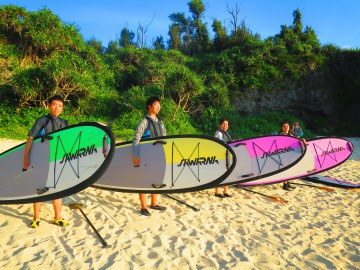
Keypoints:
pixel 223 135
pixel 149 127
pixel 43 125
pixel 285 130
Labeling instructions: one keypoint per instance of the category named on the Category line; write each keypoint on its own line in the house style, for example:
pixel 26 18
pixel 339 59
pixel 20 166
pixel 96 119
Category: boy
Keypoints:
pixel 43 125
pixel 149 127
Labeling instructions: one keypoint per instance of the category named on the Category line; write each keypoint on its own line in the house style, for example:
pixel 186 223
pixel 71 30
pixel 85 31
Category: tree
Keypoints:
pixel 112 47
pixel 126 38
pixel 96 44
pixel 221 39
pixel 239 32
pixel 234 19
pixel 141 33
pixel 12 21
pixel 309 37
pixel 297 23
pixel 175 37
pixel 38 34
pixel 200 42
pixel 53 58
pixel 32 85
pixel 180 32
pixel 182 85
pixel 158 43
pixel 189 34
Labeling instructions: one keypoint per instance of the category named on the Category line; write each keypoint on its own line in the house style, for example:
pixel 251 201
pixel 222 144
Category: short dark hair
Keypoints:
pixel 56 97
pixel 222 120
pixel 151 100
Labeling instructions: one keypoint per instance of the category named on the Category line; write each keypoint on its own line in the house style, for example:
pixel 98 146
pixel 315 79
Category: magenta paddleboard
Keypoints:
pixel 263 156
pixel 322 154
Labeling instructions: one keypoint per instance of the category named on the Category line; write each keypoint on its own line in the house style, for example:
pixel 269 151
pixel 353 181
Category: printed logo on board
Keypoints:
pixel 328 156
pixel 198 161
pixel 333 150
pixel 193 164
pixel 270 157
pixel 82 152
pixel 277 152
pixel 70 155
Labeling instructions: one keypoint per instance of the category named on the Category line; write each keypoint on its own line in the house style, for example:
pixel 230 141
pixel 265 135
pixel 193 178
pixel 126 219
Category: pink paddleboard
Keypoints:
pixel 264 156
pixel 322 154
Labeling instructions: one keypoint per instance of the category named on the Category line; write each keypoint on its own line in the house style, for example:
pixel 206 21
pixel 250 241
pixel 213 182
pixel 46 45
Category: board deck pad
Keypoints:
pixel 322 154
pixel 62 163
pixel 263 156
pixel 169 164
pixel 326 180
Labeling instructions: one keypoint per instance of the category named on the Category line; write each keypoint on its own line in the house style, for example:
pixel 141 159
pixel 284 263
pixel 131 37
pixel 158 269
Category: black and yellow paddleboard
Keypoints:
pixel 169 164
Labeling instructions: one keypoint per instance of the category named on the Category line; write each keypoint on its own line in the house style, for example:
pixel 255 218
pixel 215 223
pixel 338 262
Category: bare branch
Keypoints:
pixel 141 32
pixel 235 17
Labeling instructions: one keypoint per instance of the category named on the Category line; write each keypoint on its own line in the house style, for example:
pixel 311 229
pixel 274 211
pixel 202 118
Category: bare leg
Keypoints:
pixel 225 189
pixel 153 199
pixel 37 207
pixel 216 190
pixel 143 201
pixel 57 208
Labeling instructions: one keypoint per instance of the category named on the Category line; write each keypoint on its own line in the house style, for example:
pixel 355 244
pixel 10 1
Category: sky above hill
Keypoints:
pixel 335 22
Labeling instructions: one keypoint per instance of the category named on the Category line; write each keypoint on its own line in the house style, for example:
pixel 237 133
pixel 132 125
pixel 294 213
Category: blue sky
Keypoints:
pixel 334 21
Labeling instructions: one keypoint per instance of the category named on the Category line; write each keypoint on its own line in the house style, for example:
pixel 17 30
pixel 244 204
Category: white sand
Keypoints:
pixel 316 229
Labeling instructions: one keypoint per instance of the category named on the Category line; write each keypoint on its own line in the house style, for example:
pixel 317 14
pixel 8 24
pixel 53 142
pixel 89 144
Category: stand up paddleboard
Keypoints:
pixel 169 164
pixel 62 163
pixel 321 155
pixel 263 156
pixel 326 180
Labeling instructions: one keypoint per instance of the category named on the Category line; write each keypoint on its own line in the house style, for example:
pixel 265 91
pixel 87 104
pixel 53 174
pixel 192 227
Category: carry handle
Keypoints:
pixel 302 146
pixel 46 137
pixel 42 190
pixel 105 146
pixel 158 185
pixel 350 146
pixel 242 143
pixel 227 154
pixel 159 142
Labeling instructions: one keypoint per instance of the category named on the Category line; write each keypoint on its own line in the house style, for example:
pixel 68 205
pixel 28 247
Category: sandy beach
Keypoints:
pixel 315 229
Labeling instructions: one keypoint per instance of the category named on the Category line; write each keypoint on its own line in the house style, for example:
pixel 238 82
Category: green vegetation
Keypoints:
pixel 196 77
pixel 16 125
